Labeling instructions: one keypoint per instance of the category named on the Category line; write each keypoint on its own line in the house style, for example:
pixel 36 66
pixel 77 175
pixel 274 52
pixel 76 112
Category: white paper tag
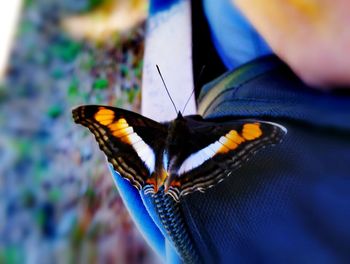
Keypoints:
pixel 169 45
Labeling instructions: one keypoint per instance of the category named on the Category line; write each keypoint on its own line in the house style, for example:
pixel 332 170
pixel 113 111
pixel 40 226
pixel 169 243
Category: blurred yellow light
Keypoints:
pixel 112 16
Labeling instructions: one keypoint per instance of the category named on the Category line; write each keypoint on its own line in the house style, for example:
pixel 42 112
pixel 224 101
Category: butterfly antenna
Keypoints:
pixel 183 110
pixel 195 86
pixel 166 88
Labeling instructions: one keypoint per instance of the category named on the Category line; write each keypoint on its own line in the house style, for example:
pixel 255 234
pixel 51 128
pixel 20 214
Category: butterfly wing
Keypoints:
pixel 131 142
pixel 218 149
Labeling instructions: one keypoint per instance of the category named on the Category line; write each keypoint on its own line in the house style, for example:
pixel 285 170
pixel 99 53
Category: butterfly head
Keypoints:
pixel 177 135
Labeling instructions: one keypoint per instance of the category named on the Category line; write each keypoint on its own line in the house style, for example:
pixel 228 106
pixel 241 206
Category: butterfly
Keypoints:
pixel 185 155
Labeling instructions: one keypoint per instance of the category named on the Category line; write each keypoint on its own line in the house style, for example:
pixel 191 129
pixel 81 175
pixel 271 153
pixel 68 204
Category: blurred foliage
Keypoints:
pixel 94 3
pixel 66 50
pixel 100 84
pixel 59 202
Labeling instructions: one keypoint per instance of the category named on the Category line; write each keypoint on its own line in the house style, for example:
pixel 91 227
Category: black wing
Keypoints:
pixel 130 141
pixel 218 149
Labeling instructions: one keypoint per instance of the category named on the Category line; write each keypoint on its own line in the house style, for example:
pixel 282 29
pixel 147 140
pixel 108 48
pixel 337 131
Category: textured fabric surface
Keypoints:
pixel 267 87
pixel 133 202
pixel 289 203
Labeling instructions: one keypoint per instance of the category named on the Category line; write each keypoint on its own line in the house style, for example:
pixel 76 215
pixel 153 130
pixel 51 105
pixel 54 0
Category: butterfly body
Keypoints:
pixel 184 155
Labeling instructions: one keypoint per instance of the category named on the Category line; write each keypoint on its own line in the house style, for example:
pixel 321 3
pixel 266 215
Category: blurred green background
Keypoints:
pixel 58 200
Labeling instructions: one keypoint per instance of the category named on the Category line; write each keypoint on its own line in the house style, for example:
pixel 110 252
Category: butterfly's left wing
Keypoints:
pixel 131 142
pixel 218 149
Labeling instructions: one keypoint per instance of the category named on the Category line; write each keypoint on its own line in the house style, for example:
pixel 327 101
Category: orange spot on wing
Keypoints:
pixel 251 131
pixel 235 137
pixel 227 145
pixel 105 122
pixel 121 133
pixel 122 121
pixel 223 149
pixel 121 129
pixel 175 183
pixel 104 116
pixel 117 126
pixel 152 181
pixel 230 144
pixel 104 111
pixel 231 141
pixel 125 139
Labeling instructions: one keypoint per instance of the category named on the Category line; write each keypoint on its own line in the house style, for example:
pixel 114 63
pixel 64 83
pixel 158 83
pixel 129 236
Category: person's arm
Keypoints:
pixel 312 37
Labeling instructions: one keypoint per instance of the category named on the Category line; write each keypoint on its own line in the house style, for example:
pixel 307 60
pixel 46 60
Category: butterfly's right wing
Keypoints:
pixel 131 142
pixel 224 147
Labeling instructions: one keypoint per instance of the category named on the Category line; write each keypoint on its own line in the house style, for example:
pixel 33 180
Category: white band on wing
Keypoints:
pixel 126 134
pixel 226 143
pixel 144 151
pixel 198 158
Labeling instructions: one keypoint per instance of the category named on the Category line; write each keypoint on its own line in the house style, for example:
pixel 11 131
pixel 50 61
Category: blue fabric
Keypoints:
pixel 245 88
pixel 289 203
pixel 161 5
pixel 236 41
pixel 172 256
pixel 145 219
pixel 139 214
pixel 151 209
